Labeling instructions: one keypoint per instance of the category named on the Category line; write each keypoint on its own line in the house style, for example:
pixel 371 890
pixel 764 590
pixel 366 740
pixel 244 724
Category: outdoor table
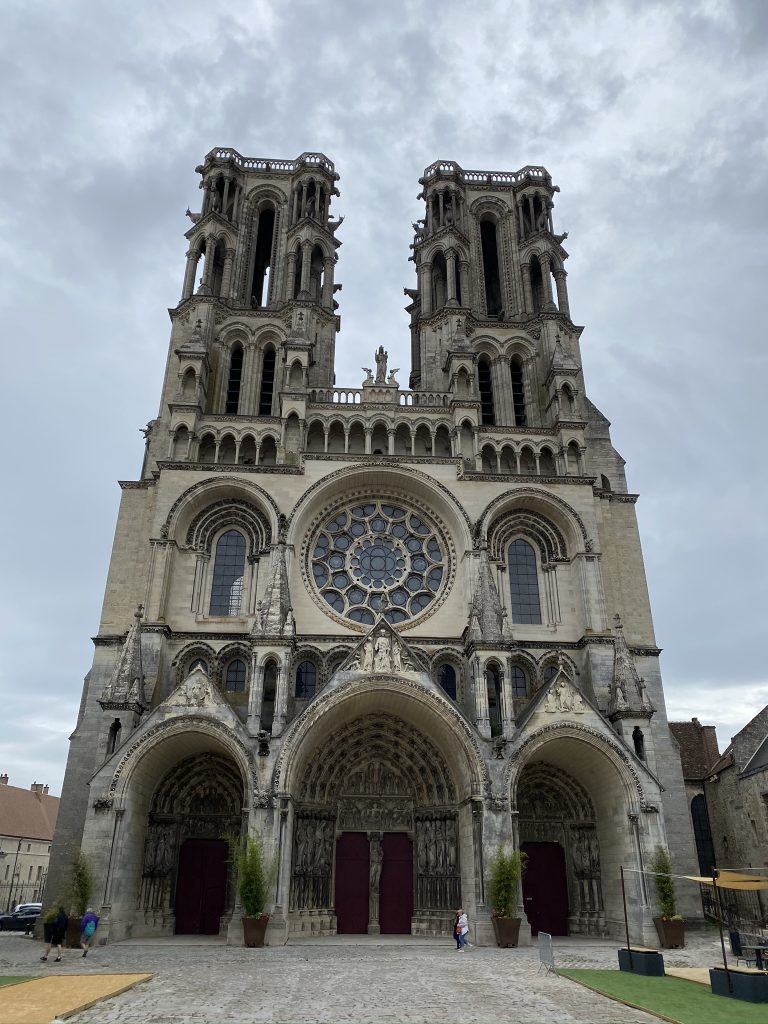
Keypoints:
pixel 759 950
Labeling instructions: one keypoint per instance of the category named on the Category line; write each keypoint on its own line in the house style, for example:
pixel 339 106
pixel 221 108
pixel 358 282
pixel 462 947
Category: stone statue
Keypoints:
pixel 377 857
pixel 381 364
pixel 391 379
pixel 382 660
pixel 310 211
pixel 397 661
pixel 368 376
pixel 366 657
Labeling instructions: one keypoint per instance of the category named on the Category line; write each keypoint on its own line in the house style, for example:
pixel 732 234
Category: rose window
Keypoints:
pixel 378 557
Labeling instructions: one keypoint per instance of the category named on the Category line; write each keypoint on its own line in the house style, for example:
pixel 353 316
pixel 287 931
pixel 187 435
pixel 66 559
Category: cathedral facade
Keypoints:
pixel 391 630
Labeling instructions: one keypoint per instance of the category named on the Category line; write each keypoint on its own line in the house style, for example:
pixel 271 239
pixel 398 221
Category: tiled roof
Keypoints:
pixel 698 748
pixel 723 762
pixel 26 814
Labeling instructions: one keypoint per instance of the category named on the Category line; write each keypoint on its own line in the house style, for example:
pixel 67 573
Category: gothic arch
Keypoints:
pixel 534 527
pixel 599 747
pixel 423 710
pixel 199 496
pixel 229 512
pixel 559 512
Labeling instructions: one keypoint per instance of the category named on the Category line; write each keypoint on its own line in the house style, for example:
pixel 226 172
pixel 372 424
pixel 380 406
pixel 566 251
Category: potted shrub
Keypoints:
pixel 506 871
pixel 670 926
pixel 79 892
pixel 253 878
pixel 48 917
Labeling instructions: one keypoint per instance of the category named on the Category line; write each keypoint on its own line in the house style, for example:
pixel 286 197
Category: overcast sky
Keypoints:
pixel 650 116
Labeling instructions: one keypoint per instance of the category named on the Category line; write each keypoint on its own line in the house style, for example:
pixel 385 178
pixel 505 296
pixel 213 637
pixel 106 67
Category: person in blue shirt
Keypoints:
pixel 88 925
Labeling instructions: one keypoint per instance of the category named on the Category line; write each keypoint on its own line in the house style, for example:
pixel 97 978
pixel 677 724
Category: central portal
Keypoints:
pixel 374 883
pixel 375 834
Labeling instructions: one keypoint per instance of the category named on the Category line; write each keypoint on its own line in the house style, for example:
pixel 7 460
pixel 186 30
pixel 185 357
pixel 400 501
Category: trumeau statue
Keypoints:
pixel 381 365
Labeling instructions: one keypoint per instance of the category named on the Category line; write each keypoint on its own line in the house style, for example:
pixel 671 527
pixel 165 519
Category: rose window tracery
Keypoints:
pixel 378 556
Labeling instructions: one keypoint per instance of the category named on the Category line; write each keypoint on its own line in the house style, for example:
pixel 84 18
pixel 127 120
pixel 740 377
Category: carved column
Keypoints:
pixel 290 277
pixel 425 271
pixel 450 261
pixel 189 273
pixel 546 280
pixel 562 292
pixel 482 718
pixel 226 277
pixel 327 298
pixel 374 877
pixel 281 699
pixel 527 290
pixel 210 253
pixel 464 281
pixel 306 267
pixel 255 695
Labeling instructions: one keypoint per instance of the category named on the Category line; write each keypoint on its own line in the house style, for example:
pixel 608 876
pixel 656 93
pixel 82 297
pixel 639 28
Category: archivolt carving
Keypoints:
pixel 375 756
pixel 302 727
pixel 533 492
pixel 542 531
pixel 237 482
pixel 230 512
pixel 185 724
pixel 545 791
pixel 572 730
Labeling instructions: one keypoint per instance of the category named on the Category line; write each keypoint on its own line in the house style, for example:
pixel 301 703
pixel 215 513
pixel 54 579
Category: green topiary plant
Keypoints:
pixel 661 866
pixel 253 877
pixel 80 882
pixel 507 869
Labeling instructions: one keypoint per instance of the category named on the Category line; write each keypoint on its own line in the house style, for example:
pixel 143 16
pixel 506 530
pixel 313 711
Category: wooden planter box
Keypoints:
pixel 506 930
pixel 671 933
pixel 72 940
pixel 747 983
pixel 254 930
pixel 643 961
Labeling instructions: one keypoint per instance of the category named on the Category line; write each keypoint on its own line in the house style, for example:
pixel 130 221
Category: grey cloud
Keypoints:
pixel 650 118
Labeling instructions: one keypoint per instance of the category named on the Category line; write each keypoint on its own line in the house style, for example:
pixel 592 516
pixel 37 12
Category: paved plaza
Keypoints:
pixel 346 979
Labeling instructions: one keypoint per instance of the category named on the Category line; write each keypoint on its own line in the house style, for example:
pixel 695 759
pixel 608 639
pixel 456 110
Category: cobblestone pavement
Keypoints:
pixel 339 981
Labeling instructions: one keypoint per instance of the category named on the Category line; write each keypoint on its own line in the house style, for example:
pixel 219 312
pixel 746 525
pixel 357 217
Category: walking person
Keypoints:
pixel 456 929
pixel 89 924
pixel 463 926
pixel 58 931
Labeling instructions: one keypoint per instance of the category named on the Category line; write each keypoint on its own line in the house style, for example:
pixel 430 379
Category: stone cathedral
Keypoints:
pixel 390 627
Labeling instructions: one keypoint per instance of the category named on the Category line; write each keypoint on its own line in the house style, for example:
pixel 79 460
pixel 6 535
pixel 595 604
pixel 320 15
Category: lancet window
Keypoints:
pixel 267 388
pixel 485 386
pixel 524 583
pixel 518 391
pixel 234 380
pixel 228 572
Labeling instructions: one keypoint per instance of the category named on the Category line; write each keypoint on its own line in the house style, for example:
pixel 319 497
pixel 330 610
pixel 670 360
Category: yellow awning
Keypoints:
pixel 733 880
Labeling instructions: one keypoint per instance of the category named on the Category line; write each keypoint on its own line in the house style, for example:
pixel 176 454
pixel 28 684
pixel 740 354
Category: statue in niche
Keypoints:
pixel 381 365
pixel 310 210
pixel 366 657
pixel 382 659
pixel 377 857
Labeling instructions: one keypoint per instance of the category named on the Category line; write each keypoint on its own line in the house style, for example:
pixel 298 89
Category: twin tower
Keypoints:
pixel 486 259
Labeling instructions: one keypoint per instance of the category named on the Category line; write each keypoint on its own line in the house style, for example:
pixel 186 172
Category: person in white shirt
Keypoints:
pixel 463 926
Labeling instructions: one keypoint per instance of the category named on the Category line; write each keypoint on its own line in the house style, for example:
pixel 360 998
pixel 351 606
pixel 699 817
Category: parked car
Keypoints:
pixel 27 906
pixel 20 921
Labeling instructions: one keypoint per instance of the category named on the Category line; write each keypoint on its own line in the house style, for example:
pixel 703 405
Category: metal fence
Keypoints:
pixel 13 893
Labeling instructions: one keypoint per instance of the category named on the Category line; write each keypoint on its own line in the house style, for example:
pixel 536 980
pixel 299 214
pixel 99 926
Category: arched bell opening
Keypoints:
pixel 183 799
pixel 578 823
pixel 382 828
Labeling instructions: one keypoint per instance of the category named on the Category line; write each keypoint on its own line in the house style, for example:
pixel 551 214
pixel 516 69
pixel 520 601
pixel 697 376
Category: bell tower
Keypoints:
pixel 256 324
pixel 487 259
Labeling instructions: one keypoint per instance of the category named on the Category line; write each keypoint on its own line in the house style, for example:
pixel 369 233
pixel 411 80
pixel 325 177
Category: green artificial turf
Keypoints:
pixel 686 1002
pixel 12 980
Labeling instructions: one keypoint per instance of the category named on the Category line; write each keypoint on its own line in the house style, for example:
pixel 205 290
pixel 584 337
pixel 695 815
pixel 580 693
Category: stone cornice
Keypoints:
pixel 529 478
pixel 337 639
pixel 135 485
pixel 229 467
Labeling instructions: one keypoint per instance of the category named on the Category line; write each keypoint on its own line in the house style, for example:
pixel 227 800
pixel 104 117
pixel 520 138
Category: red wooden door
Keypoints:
pixel 201 886
pixel 352 860
pixel 545 888
pixel 396 885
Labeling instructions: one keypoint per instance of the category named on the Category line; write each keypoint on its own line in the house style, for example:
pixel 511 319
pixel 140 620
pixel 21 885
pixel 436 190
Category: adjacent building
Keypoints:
pixel 391 626
pixel 27 822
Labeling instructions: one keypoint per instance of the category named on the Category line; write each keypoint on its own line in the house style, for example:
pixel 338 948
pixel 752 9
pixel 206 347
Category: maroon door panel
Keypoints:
pixel 201 886
pixel 396 885
pixel 545 888
pixel 352 855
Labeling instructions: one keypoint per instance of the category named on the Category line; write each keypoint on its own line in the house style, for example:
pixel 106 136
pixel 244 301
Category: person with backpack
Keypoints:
pixel 88 925
pixel 456 929
pixel 58 931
